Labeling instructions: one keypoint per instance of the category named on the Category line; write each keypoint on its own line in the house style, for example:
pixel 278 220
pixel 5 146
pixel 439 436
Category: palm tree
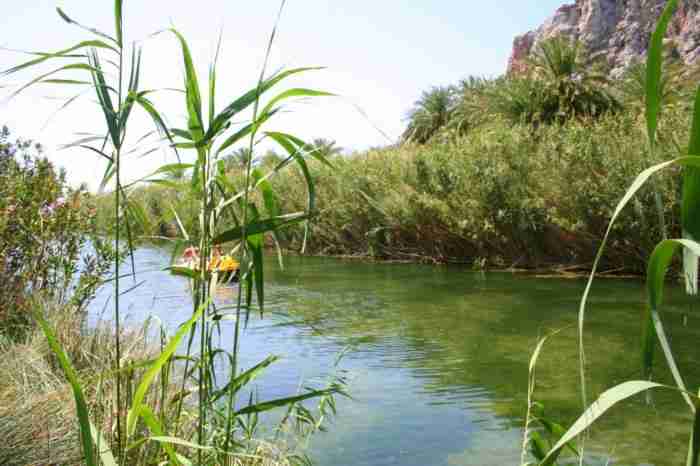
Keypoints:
pixel 237 159
pixel 326 147
pixel 470 104
pixel 571 86
pixel 429 114
pixel 633 85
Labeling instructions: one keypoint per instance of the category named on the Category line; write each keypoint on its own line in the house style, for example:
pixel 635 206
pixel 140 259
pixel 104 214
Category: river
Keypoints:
pixel 437 366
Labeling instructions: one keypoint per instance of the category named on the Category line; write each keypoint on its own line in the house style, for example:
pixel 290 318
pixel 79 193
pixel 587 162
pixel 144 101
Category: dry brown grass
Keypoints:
pixel 38 423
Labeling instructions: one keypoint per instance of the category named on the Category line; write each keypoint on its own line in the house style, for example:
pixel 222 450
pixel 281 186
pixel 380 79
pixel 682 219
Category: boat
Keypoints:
pixel 224 267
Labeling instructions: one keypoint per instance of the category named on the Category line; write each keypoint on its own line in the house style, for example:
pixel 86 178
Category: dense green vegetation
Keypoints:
pixel 519 171
pixel 44 228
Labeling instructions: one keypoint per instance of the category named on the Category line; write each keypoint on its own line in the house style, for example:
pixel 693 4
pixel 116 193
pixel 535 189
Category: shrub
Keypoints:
pixel 44 227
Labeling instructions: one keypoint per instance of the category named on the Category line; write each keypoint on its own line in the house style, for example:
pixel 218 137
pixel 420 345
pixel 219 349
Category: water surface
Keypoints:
pixel 438 366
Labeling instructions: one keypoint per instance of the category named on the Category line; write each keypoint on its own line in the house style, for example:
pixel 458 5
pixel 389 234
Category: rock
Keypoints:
pixel 616 31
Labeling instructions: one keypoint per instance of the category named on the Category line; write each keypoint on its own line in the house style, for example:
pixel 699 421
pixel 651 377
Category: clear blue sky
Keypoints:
pixel 379 56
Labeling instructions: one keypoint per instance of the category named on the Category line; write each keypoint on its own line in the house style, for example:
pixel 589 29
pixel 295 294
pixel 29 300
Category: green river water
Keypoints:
pixel 437 368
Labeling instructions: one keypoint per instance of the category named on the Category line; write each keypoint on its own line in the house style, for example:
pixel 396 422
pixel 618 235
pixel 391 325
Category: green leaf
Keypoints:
pixel 162 128
pixel 244 378
pixel 101 443
pixel 281 402
pixel 269 197
pixel 294 151
pixel 194 100
pixel 296 92
pixel 134 77
pixel 309 149
pixel 538 446
pixel 183 272
pixel 168 169
pixel 654 64
pixel 638 183
pixel 72 66
pixel 65 81
pixel 60 54
pixel 694 448
pixel 71 375
pixel 212 80
pixel 255 244
pixel 119 21
pixel 179 441
pixel 245 131
pixel 68 20
pixel 690 207
pixel 656 273
pixel 606 401
pixel 247 99
pixel 261 226
pixel 105 100
pixel 155 427
pixel 154 369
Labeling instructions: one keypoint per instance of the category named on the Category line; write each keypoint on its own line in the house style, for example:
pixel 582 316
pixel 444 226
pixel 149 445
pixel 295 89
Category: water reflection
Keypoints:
pixel 439 367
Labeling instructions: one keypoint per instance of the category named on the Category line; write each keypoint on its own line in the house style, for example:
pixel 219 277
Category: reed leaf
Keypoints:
pixel 192 94
pixel 140 393
pixel 102 445
pixel 248 129
pixel 690 207
pixel 694 447
pixel 606 401
pixel 69 20
pixel 39 79
pixel 261 226
pixel 212 80
pixel 637 184
pixel 654 64
pixel 65 53
pixel 256 244
pixel 151 421
pixel 269 197
pixel 248 99
pixel 296 92
pixel 72 377
pixel 281 402
pixel 119 21
pixel 658 265
pixel 158 120
pixel 105 100
pixel 244 378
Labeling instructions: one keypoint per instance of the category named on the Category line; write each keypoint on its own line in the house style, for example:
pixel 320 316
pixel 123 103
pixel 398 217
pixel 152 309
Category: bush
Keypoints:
pixel 503 192
pixel 44 228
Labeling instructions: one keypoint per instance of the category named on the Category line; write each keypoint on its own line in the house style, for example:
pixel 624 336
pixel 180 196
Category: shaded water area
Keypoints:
pixel 438 365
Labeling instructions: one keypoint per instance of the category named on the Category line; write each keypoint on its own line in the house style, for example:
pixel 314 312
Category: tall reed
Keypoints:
pixel 658 265
pixel 228 217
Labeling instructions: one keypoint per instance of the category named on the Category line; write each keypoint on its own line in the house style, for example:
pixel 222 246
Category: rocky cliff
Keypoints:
pixel 616 31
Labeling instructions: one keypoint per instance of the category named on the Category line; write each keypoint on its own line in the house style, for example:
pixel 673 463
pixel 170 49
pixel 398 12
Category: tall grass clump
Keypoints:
pixel 171 407
pixel 660 259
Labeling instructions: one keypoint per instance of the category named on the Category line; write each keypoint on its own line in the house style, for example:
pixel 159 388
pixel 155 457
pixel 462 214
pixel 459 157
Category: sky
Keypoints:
pixel 379 55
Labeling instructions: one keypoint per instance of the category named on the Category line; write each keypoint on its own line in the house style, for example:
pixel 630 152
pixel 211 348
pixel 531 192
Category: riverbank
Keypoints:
pixel 37 411
pixel 503 196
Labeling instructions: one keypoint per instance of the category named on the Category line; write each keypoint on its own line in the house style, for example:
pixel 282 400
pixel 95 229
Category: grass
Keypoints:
pixel 37 412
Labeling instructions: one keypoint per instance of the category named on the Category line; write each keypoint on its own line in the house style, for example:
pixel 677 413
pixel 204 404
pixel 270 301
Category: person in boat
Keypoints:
pixel 225 265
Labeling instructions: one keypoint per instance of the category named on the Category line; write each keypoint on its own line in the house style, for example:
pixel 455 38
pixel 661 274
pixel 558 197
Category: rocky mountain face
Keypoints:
pixel 616 31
